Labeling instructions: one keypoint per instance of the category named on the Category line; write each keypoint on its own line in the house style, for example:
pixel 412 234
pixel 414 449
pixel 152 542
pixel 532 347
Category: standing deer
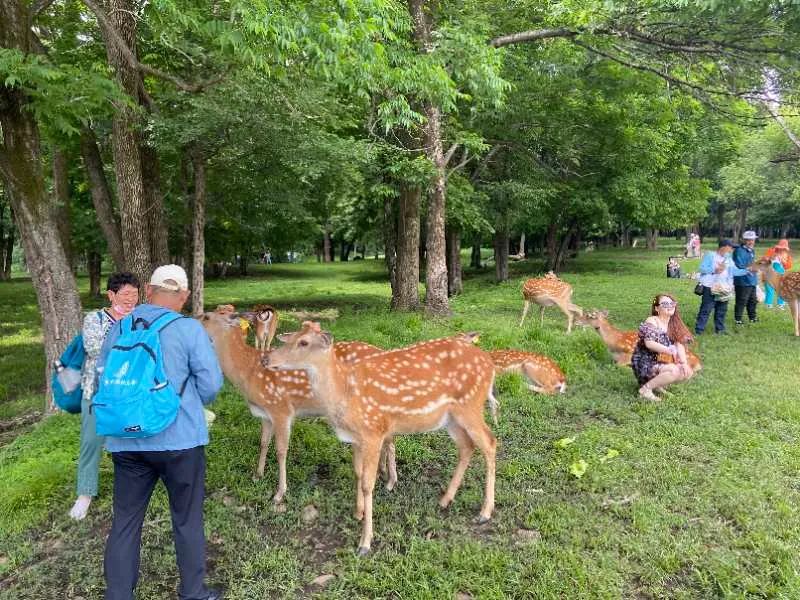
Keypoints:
pixel 275 397
pixel 787 286
pixel 265 323
pixel 421 388
pixel 549 291
pixel 621 343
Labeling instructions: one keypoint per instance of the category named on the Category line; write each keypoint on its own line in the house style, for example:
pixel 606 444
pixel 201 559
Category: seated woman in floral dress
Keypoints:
pixel 662 333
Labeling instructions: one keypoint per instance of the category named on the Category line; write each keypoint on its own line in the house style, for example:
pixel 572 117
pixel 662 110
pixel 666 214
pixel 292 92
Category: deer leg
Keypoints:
pixel 541 315
pixel 524 312
pixel 371 452
pixel 533 385
pixel 465 450
pixel 357 468
pixel 283 429
pixel 391 464
pixel 266 438
pixel 482 437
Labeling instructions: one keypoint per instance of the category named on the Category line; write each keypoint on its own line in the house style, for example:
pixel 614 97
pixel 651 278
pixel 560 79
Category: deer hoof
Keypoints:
pixel 359 515
pixel 277 499
pixel 481 520
pixel 445 502
pixel 390 486
pixel 363 550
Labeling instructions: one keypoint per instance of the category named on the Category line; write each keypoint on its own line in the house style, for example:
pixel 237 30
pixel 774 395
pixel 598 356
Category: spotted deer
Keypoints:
pixel 265 322
pixel 275 397
pixel 787 286
pixel 421 388
pixel 543 374
pixel 549 291
pixel 621 344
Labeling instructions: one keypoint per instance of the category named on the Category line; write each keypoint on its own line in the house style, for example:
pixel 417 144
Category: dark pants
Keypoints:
pixel 707 304
pixel 745 296
pixel 135 476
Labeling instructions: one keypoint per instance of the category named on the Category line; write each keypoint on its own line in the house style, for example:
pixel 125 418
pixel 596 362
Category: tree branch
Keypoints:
pixel 115 38
pixel 531 36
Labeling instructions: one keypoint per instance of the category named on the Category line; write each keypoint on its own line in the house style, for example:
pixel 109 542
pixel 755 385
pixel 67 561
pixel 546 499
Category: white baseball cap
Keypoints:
pixel 170 277
pixel 749 235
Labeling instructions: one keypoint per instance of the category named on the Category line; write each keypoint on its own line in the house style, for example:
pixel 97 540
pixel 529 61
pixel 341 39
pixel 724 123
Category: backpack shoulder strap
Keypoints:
pixel 165 319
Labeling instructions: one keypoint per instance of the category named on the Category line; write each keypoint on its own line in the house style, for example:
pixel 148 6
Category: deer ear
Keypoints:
pixel 284 337
pixel 327 338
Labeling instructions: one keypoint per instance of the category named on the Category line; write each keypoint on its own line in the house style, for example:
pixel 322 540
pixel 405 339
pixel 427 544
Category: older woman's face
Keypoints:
pixel 124 299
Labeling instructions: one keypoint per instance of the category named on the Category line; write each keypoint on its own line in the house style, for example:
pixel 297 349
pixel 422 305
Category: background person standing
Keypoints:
pixel 745 285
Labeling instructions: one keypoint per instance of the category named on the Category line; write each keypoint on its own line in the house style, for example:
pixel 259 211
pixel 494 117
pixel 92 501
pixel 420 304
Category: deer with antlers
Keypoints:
pixel 787 286
pixel 549 291
pixel 275 397
pixel 264 319
pixel 421 388
pixel 621 344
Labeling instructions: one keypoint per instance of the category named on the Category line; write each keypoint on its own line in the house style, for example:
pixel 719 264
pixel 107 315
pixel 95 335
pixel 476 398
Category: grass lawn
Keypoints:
pixel 700 501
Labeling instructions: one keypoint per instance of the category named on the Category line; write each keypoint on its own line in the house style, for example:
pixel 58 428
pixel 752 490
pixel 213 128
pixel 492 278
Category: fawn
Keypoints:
pixel 549 291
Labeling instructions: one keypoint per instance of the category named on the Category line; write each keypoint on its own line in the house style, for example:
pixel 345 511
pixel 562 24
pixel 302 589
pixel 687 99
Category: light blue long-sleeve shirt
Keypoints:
pixel 188 356
pixel 709 264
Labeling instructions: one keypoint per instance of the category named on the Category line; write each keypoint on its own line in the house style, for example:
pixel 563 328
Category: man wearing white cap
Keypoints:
pixel 745 285
pixel 176 455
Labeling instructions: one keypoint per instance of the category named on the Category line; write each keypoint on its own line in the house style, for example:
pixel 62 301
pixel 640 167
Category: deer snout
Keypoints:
pixel 563 387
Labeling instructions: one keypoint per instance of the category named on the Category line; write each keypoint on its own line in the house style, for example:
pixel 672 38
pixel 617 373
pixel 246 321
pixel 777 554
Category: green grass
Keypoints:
pixel 702 500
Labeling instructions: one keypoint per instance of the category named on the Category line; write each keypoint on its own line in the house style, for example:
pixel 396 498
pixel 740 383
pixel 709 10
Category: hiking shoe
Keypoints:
pixel 722 332
pixel 739 322
pixel 754 320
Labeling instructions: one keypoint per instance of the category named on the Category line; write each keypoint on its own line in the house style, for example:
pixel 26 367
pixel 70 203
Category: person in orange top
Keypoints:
pixel 781 258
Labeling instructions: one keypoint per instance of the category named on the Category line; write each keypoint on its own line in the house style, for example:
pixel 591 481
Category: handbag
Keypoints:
pixel 698 289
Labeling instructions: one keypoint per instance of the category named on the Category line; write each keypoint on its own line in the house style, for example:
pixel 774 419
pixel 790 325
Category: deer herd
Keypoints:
pixel 369 395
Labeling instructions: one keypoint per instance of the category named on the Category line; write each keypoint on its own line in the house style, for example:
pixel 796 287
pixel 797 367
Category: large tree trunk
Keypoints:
pixel 126 145
pixel 198 232
pixel 185 183
pixel 720 220
pixel 157 231
pixel 36 219
pixel 102 198
pixel 454 283
pixel 556 260
pixel 551 241
pixel 3 203
pixel 390 238
pixel 475 255
pixel 405 295
pixel 501 241
pixel 61 197
pixel 436 302
pixel 652 239
pixel 94 265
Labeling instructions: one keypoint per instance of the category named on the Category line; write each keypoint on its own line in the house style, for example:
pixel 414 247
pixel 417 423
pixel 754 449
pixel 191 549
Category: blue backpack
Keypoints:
pixel 134 398
pixel 72 358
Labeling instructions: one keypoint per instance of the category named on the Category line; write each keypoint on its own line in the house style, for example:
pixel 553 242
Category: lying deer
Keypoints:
pixel 543 374
pixel 265 323
pixel 549 291
pixel 621 344
pixel 787 286
pixel 275 397
pixel 421 388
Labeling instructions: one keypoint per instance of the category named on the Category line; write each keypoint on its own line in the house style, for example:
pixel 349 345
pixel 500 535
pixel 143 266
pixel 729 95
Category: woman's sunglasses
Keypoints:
pixel 667 304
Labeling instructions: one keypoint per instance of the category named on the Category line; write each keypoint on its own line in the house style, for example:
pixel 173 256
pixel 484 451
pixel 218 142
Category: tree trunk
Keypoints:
pixel 36 219
pixel 501 240
pixel 2 238
pixel 625 236
pixel 61 198
pixel 102 198
pixel 243 263
pixel 405 294
pixel 198 232
pixel 522 252
pixel 327 252
pixel 436 302
pixel 94 265
pixel 9 249
pixel 551 241
pixel 652 239
pixel 157 231
pixel 741 222
pixel 185 182
pixel 126 145
pixel 785 230
pixel 344 251
pixel 454 282
pixel 390 239
pixel 556 260
pixel 720 221
pixel 475 255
